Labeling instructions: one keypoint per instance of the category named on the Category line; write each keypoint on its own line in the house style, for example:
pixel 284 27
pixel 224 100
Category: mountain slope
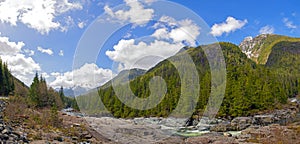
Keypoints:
pixel 286 56
pixel 10 85
pixel 259 48
pixel 250 87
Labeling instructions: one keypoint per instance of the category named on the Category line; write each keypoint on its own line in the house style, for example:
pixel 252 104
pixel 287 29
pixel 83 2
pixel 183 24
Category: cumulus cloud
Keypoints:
pixel 37 14
pixel 8 47
pixel 181 31
pixel 61 53
pixel 140 51
pixel 169 37
pixel 230 25
pixel 21 67
pixel 46 51
pixel 88 76
pixel 29 52
pixel 137 13
pixel 81 25
pixel 267 30
pixel 62 6
pixel 289 24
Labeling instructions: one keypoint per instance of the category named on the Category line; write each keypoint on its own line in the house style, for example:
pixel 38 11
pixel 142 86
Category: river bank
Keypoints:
pixel 264 127
pixel 7 132
pixel 281 125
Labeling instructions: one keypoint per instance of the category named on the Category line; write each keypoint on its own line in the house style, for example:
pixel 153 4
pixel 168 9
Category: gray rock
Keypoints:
pixel 240 123
pixel 74 138
pixel 221 127
pixel 88 136
pixel 263 120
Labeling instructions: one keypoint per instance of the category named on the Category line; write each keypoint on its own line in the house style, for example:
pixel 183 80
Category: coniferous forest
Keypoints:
pixel 250 87
pixel 6 80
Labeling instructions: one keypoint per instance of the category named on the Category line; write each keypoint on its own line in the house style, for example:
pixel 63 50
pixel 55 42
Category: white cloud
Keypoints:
pixel 63 6
pixel 22 67
pixel 68 22
pixel 230 25
pixel 81 25
pixel 29 52
pixel 288 23
pixel 61 53
pixel 149 1
pixel 169 37
pixel 9 48
pixel 138 53
pixel 37 14
pixel 88 76
pixel 45 75
pixel 184 30
pixel 47 51
pixel 56 74
pixel 137 13
pixel 267 30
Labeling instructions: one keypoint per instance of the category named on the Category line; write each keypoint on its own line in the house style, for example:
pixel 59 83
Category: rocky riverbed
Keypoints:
pixel 278 126
pixel 7 133
pixel 266 127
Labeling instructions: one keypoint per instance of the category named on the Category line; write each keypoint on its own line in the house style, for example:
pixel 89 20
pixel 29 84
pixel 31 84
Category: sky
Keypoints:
pixel 87 42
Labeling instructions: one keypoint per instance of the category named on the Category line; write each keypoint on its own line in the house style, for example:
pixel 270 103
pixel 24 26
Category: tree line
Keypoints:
pixel 41 96
pixel 250 87
pixel 7 85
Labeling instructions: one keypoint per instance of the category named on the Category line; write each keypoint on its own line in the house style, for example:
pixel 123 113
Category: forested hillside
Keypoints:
pixel 6 80
pixel 250 87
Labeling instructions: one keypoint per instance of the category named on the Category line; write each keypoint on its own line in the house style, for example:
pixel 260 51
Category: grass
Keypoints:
pixel 265 48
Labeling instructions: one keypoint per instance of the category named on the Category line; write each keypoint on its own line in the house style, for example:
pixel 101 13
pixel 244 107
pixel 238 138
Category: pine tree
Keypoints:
pixel 61 94
pixel 1 79
pixel 33 91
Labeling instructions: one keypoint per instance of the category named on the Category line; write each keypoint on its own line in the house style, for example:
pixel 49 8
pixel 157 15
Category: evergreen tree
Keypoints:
pixel 34 92
pixel 1 79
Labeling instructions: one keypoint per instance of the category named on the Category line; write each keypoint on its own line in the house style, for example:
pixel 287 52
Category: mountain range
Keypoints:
pixel 262 73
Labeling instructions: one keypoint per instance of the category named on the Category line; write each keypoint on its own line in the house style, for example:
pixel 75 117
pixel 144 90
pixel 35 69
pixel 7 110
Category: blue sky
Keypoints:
pixel 44 36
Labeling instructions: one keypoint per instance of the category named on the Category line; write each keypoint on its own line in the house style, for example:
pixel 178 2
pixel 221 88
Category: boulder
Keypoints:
pixel 240 123
pixel 221 127
pixel 263 120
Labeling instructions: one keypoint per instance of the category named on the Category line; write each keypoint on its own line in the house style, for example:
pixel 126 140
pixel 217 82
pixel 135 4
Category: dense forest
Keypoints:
pixel 41 96
pixel 6 80
pixel 38 95
pixel 250 87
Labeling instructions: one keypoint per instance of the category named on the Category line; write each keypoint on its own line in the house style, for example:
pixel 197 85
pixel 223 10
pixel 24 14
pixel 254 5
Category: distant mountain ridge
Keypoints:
pixel 259 48
pixel 256 80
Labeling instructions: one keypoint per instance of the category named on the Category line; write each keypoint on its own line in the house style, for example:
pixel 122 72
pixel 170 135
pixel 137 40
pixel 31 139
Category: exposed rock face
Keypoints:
pixel 251 46
pixel 282 116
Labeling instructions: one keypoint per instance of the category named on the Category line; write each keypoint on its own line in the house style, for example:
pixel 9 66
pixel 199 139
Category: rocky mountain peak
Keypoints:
pixel 251 46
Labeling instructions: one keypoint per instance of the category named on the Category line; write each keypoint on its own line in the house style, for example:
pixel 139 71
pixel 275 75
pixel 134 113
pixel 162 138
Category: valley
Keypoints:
pixel 261 101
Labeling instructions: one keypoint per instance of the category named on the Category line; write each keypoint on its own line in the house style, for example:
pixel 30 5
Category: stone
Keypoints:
pixel 4 137
pixel 222 127
pixel 5 131
pixel 85 133
pixel 227 134
pixel 59 138
pixel 88 136
pixel 263 120
pixel 240 123
pixel 74 138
